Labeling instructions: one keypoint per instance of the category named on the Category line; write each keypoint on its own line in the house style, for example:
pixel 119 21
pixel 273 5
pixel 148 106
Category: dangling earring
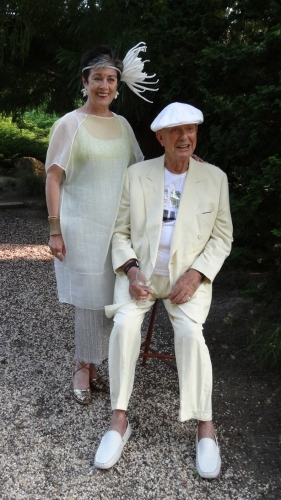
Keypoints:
pixel 84 92
pixel 116 95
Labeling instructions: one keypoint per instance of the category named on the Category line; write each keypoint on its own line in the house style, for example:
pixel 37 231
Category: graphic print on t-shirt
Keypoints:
pixel 171 205
pixel 173 189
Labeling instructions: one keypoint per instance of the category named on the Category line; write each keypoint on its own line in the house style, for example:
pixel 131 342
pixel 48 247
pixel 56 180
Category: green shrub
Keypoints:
pixel 27 138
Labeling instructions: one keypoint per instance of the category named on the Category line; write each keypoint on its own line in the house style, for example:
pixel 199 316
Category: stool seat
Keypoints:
pixel 149 352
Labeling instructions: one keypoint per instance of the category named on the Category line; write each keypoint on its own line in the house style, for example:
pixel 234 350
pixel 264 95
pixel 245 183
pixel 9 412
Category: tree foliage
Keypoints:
pixel 221 56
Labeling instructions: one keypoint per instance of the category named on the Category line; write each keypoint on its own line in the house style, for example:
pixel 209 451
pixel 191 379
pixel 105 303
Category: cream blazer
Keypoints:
pixel 202 235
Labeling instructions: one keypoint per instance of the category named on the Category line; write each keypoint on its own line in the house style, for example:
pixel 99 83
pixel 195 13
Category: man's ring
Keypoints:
pixel 58 254
pixel 188 299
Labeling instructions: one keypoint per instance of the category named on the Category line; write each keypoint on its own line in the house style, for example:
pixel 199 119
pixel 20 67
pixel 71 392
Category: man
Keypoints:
pixel 174 221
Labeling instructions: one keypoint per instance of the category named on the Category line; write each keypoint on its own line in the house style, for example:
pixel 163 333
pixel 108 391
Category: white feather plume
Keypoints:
pixel 133 74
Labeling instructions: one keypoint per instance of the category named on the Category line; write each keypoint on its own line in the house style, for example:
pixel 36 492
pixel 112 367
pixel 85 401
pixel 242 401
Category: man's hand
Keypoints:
pixel 137 291
pixel 185 287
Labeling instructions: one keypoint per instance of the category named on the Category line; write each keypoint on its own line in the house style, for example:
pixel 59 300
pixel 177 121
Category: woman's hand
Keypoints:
pixel 195 157
pixel 57 247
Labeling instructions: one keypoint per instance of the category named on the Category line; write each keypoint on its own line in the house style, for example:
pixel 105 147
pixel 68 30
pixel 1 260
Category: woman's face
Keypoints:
pixel 101 86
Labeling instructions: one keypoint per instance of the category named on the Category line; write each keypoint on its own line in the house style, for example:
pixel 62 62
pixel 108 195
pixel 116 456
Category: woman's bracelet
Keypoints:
pixel 54 224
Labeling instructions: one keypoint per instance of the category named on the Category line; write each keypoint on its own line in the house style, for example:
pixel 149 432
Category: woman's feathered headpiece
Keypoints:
pixel 132 74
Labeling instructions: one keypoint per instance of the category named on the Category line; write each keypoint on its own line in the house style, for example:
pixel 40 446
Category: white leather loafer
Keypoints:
pixel 110 448
pixel 208 460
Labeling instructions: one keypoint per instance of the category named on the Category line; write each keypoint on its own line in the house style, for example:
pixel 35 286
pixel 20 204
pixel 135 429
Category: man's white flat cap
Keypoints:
pixel 175 114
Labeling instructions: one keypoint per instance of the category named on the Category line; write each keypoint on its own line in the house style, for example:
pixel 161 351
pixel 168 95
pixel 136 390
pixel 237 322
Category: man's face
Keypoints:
pixel 179 142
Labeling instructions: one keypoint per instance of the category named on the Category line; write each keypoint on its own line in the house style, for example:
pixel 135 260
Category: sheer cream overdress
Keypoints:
pixel 94 153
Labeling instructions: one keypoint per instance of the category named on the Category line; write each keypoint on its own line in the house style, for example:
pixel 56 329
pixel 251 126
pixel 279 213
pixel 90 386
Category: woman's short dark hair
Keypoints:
pixel 101 56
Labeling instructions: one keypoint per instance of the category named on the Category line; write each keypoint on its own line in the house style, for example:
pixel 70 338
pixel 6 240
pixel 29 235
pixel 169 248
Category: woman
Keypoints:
pixel 89 151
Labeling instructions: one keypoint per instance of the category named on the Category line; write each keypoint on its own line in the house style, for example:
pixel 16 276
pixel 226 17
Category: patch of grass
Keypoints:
pixel 267 346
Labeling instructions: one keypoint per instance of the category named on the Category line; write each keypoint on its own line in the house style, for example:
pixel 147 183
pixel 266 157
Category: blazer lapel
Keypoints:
pixel 194 189
pixel 153 192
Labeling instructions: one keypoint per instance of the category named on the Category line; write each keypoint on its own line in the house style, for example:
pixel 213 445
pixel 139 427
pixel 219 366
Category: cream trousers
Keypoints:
pixel 192 355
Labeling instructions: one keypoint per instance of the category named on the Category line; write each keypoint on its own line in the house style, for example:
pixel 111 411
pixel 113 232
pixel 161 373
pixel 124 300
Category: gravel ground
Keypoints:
pixel 48 440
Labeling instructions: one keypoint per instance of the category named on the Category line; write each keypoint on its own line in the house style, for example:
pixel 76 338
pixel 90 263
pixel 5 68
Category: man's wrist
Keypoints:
pixel 202 276
pixel 132 273
pixel 129 265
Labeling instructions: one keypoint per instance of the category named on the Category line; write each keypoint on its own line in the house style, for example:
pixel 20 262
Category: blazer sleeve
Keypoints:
pixel 218 246
pixel 122 250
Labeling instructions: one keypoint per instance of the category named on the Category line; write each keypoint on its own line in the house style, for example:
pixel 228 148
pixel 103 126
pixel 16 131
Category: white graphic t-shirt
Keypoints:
pixel 173 188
